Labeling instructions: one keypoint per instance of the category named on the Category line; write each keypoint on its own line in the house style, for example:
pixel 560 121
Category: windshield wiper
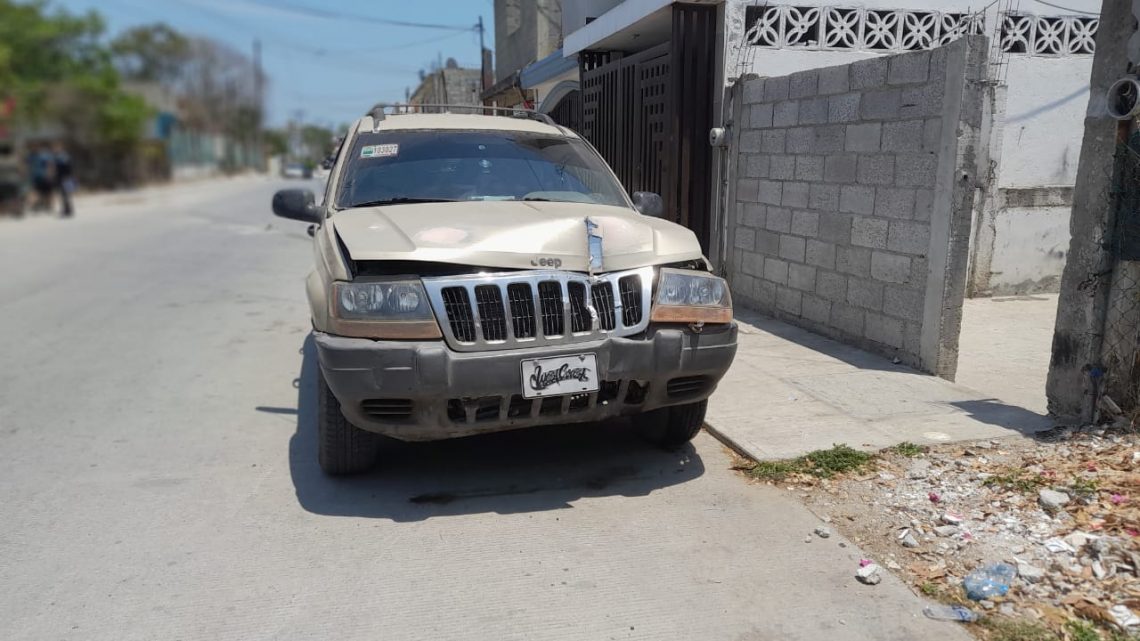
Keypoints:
pixel 539 199
pixel 400 201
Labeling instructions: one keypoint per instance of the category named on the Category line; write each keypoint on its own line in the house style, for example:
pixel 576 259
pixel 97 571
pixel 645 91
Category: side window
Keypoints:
pixel 335 167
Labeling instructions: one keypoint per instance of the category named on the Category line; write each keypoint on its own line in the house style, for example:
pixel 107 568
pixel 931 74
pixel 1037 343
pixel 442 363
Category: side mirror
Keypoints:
pixel 649 203
pixel 297 204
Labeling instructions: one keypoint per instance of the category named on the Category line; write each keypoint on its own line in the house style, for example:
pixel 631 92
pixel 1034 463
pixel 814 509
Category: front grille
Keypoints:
pixel 492 317
pixel 528 308
pixel 387 408
pixel 686 386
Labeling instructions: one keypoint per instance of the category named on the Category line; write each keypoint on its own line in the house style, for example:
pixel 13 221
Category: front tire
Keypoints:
pixel 672 427
pixel 342 447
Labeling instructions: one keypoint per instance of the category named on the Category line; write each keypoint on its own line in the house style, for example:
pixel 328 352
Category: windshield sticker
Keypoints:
pixel 379 151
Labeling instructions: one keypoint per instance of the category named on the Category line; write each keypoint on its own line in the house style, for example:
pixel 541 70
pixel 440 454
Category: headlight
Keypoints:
pixel 691 297
pixel 383 309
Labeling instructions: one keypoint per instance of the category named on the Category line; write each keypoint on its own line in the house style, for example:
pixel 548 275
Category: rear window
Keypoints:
pixel 460 165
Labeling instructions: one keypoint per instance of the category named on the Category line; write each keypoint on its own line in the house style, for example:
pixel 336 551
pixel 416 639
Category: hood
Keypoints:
pixel 512 235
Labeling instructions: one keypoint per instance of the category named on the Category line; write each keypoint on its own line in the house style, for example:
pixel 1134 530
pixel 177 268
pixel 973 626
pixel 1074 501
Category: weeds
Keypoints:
pixel 821 463
pixel 1016 630
pixel 1083 487
pixel 1080 630
pixel 908 449
pixel 1017 479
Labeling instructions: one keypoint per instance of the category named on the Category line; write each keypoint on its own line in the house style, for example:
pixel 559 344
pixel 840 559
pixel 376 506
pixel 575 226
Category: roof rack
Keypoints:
pixel 378 111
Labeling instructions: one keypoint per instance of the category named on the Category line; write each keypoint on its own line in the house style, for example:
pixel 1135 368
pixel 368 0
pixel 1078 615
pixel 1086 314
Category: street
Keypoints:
pixel 159 476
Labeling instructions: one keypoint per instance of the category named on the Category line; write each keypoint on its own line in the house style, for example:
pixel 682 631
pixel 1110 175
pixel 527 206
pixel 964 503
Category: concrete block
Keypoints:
pixel 746 190
pixel 857 199
pixel 753 215
pixel 884 330
pixel 903 136
pixel 768 242
pixel 823 197
pixel 938 64
pixel 813 111
pixel 772 141
pixel 779 219
pixel 786 114
pixel 876 169
pixel 909 68
pixel 932 135
pixel 816 309
pixel 761 116
pixel 828 140
pixel 853 260
pixel 835 227
pixel 912 338
pixel 809 167
pixel 894 202
pixel 834 80
pixel 923 203
pixel 907 237
pixel 865 293
pixel 750 141
pixel 754 90
pixel 788 300
pixel 869 232
pixel 757 165
pixel 919 273
pixel 768 192
pixel 922 101
pixel 745 239
pixel 792 248
pixel 775 89
pixel 868 73
pixel 766 294
pixel 841 168
pixel 831 286
pixel 863 137
pixel 880 105
pixel 800 140
pixel 847 319
pixel 782 167
pixel 776 271
pixel 903 302
pixel 795 195
pixel 916 170
pixel 801 277
pixel 752 264
pixel 890 268
pixel 803 83
pixel 805 223
pixel 819 254
pixel 843 108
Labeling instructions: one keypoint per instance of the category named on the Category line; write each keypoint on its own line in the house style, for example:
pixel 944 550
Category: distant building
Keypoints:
pixel 451 85
pixel 528 32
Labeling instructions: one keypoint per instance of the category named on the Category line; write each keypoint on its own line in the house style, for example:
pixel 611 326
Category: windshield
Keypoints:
pixel 456 165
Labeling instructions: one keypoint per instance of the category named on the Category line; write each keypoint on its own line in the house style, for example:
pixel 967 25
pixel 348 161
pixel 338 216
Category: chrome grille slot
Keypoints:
pixel 602 295
pixel 505 310
pixel 553 313
pixel 458 311
pixel 579 315
pixel 629 288
pixel 492 317
pixel 521 298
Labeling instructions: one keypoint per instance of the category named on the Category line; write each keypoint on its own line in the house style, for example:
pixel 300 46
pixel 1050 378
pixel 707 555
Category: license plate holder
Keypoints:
pixel 559 375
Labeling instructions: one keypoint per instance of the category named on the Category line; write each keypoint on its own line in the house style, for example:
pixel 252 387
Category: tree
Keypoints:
pixel 151 53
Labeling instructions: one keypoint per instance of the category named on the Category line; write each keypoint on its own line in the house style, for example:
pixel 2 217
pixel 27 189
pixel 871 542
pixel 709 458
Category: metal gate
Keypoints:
pixel 568 111
pixel 649 114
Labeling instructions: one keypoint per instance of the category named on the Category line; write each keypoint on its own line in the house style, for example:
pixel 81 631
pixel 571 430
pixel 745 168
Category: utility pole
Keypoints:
pixel 258 147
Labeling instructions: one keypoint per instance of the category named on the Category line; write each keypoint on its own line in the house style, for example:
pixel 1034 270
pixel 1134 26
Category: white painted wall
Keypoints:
pixel 1030 246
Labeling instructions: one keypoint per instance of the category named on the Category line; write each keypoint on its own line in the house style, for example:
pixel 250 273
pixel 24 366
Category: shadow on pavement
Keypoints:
pixel 851 355
pixel 995 412
pixel 526 470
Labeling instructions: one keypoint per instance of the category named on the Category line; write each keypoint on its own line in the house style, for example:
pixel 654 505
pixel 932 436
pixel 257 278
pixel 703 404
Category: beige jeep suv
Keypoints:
pixel 477 273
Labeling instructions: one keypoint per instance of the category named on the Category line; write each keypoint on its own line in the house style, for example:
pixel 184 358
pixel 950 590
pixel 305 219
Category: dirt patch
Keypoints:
pixel 1064 514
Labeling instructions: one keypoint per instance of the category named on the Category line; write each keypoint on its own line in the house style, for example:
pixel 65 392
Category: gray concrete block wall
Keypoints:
pixel 845 188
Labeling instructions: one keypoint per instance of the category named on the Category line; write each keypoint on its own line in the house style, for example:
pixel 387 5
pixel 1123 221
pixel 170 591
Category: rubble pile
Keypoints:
pixel 1065 514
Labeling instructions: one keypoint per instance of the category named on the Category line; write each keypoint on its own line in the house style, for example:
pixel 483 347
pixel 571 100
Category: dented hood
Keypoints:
pixel 511 235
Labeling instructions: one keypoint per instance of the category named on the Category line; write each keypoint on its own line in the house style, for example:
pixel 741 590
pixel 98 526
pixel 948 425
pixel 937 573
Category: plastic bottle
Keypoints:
pixel 989 581
pixel 950 613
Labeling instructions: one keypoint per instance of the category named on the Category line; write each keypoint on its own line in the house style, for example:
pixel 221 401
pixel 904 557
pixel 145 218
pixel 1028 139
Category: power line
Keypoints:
pixel 355 17
pixel 1057 6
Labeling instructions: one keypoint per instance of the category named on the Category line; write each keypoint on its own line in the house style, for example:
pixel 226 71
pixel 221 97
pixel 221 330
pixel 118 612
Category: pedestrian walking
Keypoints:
pixel 41 170
pixel 64 177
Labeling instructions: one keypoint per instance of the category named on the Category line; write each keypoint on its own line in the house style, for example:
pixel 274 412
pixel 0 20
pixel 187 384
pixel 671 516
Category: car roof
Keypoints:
pixel 459 121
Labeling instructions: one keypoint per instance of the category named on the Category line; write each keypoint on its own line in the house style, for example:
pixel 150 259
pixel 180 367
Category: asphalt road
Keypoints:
pixel 158 476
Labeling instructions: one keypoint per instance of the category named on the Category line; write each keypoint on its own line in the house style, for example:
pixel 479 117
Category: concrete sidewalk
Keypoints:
pixel 791 391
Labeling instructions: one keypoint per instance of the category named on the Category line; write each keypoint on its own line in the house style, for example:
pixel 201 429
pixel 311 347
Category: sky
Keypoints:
pixel 328 61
